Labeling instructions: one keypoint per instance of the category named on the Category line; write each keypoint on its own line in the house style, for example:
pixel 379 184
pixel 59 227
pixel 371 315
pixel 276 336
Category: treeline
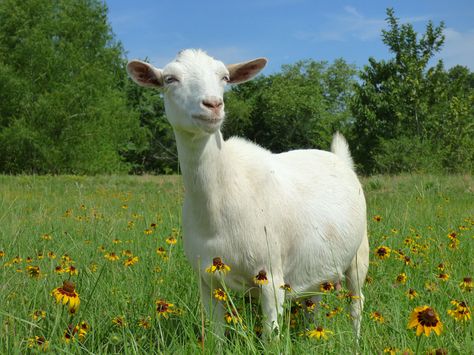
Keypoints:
pixel 67 106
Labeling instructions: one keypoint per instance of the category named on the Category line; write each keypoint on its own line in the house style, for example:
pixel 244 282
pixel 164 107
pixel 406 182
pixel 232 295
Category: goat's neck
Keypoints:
pixel 199 159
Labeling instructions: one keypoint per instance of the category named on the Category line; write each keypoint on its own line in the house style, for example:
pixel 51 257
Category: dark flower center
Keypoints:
pixel 382 251
pixel 162 307
pixel 68 288
pixel 327 286
pixel 428 318
pixel 262 275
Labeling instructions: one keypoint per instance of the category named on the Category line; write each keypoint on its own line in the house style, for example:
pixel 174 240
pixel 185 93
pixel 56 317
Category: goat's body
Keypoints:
pixel 298 215
pixel 297 218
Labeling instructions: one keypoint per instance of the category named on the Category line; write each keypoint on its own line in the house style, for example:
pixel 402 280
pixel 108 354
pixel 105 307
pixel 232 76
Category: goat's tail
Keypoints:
pixel 340 147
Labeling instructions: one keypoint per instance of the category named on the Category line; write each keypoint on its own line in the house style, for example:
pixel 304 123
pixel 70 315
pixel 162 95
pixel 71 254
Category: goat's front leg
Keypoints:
pixel 272 298
pixel 214 309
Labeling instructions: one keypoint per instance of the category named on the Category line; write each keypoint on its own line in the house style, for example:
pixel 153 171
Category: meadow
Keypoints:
pixel 96 265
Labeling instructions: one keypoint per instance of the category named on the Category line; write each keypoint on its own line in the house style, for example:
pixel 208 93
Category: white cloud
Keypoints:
pixel 458 48
pixel 350 25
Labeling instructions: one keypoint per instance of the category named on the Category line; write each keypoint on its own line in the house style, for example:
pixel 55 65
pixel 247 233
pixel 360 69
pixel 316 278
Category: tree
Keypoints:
pixel 158 154
pixel 61 72
pixel 300 107
pixel 391 103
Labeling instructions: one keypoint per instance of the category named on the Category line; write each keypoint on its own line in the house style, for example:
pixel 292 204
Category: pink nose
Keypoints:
pixel 214 104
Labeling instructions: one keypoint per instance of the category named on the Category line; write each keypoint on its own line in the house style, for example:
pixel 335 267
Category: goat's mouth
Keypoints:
pixel 208 119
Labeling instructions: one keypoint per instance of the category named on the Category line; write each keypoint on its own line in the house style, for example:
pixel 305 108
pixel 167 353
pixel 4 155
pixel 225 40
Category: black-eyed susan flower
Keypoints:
pixel 309 305
pixel 382 252
pixel 401 278
pixel 318 333
pixel 218 265
pixel 68 335
pixel 71 270
pixel 40 256
pixel 131 261
pixel 406 260
pixel 81 329
pixel 171 240
pixel 219 294
pixel 29 259
pixel 286 287
pixel 39 343
pixel 93 267
pixel 261 278
pixel 163 308
pixel 145 322
pixel 411 294
pixel 425 319
pixel 66 294
pixel 232 317
pixel 66 259
pixel 391 350
pixel 377 218
pixel 38 315
pixel 326 287
pixel 453 244
pixel 46 236
pixel 2 254
pixel 443 276
pixel 162 252
pixel 51 255
pixel 127 253
pixel 119 321
pixel 111 256
pixel 461 311
pixel 466 285
pixel 377 317
pixel 334 312
pixel 33 271
pixel 452 235
pixel 148 231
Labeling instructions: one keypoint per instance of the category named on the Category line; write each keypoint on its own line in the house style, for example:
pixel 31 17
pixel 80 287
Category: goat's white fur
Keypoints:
pixel 299 215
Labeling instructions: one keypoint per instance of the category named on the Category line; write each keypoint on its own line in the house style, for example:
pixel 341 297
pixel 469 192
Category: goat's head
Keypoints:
pixel 193 87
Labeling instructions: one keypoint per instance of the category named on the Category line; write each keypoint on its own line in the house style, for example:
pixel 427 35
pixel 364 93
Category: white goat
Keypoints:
pixel 296 218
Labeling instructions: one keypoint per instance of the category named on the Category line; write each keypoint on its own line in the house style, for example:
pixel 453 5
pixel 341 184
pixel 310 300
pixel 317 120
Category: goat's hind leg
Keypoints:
pixel 355 278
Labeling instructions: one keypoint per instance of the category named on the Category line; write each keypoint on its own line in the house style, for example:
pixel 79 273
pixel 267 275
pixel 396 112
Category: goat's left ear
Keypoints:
pixel 241 72
pixel 145 74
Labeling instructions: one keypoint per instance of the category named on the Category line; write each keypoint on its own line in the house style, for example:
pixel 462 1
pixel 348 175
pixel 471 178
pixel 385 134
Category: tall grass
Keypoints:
pixel 42 219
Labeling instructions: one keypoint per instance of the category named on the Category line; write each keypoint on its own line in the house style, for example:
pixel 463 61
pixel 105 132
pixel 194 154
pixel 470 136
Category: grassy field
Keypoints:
pixel 118 240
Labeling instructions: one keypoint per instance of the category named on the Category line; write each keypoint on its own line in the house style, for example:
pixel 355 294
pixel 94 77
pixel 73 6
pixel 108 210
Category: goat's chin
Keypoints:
pixel 208 124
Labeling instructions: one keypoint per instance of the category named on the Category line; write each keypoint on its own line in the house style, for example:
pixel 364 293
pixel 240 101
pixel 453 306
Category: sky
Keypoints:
pixel 284 31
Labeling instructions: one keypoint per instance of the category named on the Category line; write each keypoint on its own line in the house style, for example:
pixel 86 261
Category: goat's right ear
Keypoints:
pixel 145 74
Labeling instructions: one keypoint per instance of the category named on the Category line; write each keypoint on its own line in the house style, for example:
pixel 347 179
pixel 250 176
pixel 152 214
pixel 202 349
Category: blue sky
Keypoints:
pixel 284 31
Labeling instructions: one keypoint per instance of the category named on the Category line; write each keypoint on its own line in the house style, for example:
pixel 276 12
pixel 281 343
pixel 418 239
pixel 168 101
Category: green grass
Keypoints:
pixel 86 217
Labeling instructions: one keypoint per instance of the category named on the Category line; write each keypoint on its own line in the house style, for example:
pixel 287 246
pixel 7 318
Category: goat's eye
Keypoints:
pixel 226 78
pixel 170 79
